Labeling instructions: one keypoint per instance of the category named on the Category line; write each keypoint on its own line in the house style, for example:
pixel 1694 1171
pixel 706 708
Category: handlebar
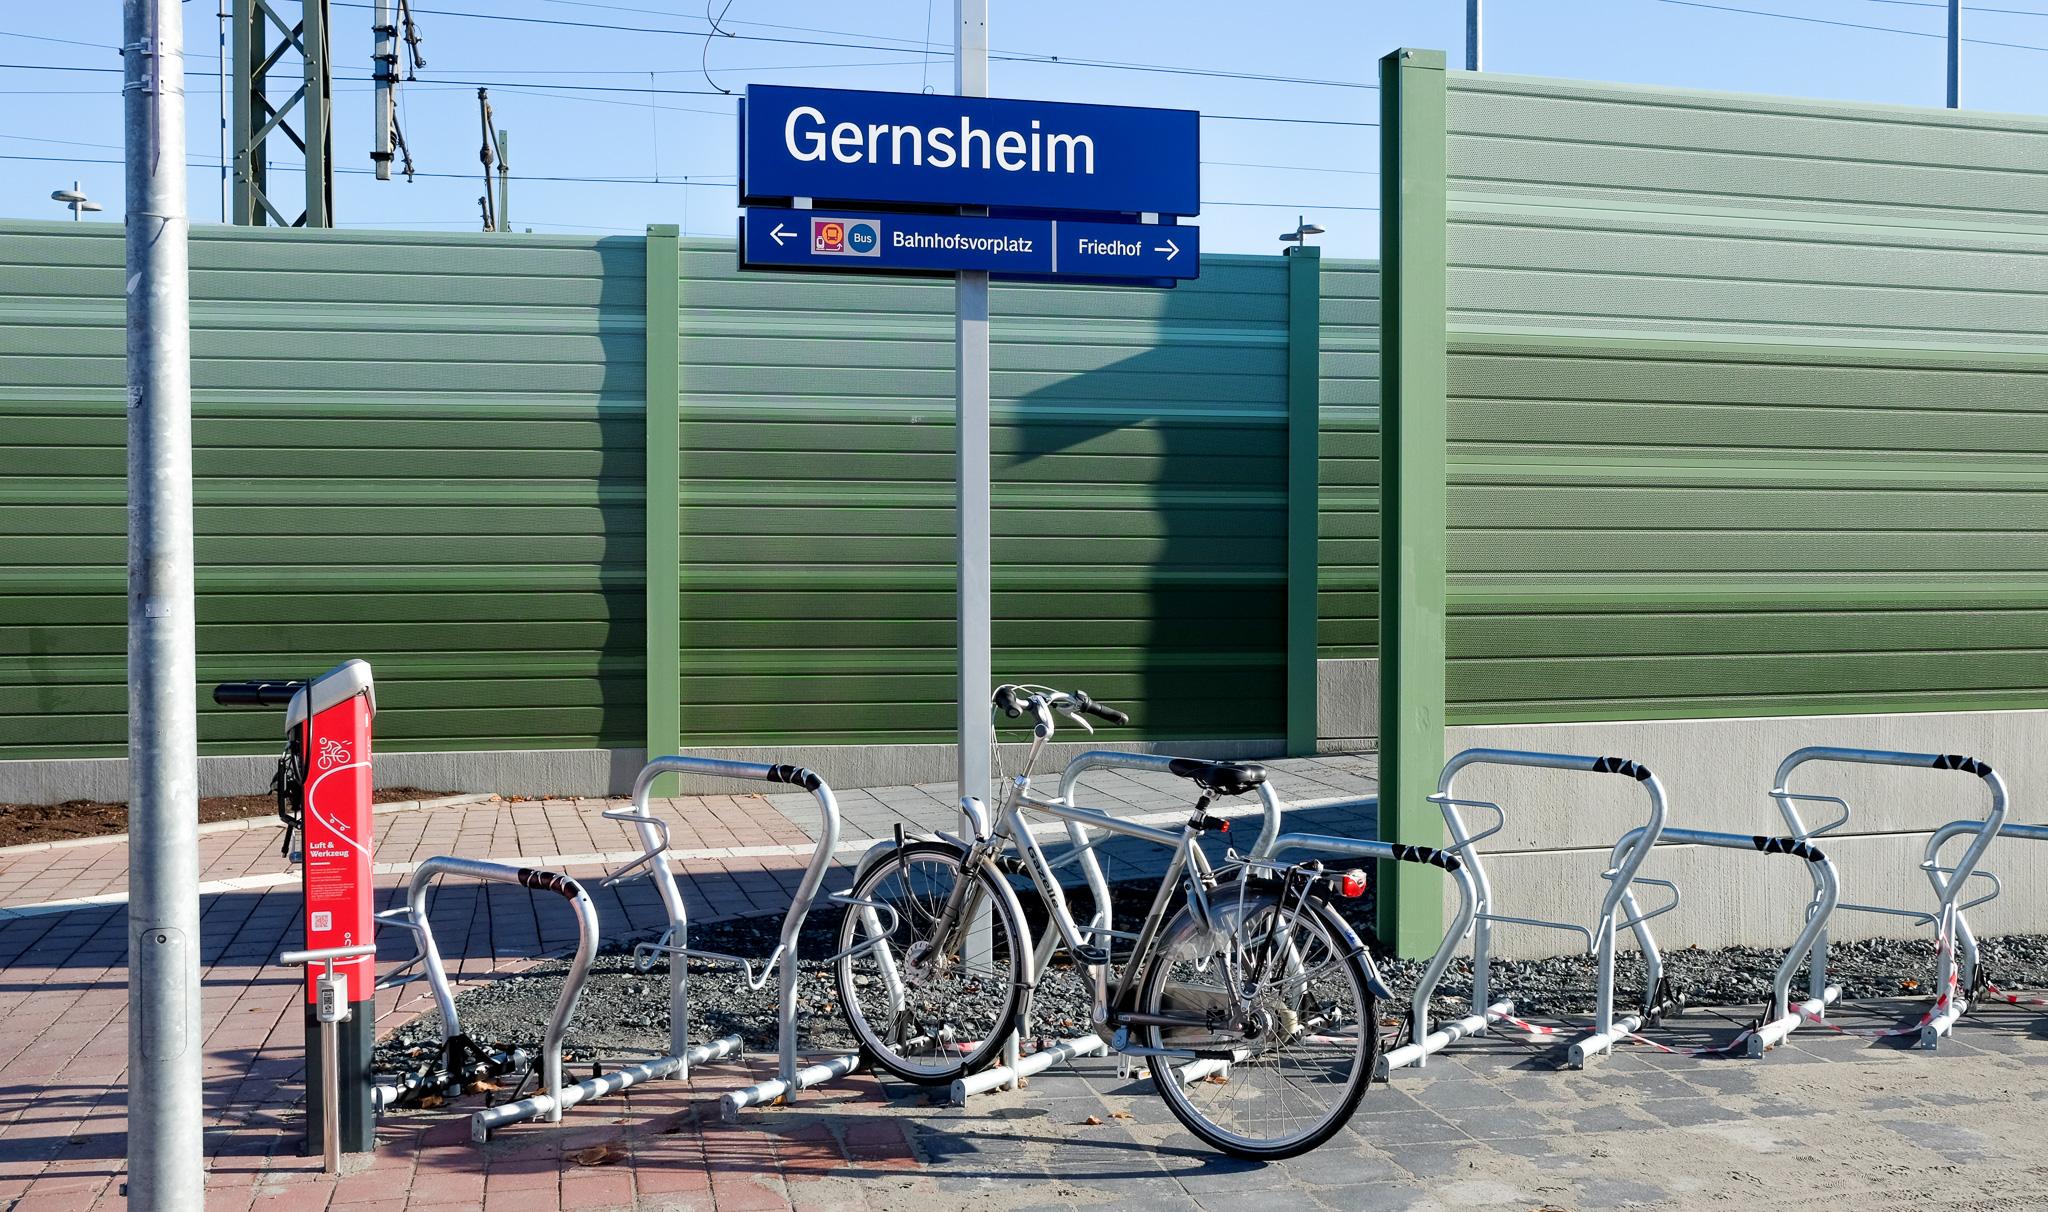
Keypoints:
pixel 1014 700
pixel 1102 711
pixel 262 692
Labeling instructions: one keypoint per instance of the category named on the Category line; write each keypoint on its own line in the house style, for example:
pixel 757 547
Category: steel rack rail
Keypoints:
pixel 555 1097
pixel 1461 876
pixel 1783 1018
pixel 1015 1067
pixel 792 1076
pixel 1952 991
pixel 1477 919
pixel 1968 961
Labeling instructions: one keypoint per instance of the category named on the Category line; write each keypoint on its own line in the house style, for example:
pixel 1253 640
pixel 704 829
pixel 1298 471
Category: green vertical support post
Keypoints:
pixel 1304 490
pixel 664 497
pixel 1413 518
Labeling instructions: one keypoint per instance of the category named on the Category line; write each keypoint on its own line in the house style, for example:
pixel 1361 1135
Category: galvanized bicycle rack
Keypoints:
pixel 782 961
pixel 1475 916
pixel 1463 876
pixel 1782 1017
pixel 1970 972
pixel 462 1060
pixel 1954 979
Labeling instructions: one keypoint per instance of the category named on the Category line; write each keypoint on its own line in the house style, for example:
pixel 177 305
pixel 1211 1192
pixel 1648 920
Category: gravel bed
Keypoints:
pixel 624 1012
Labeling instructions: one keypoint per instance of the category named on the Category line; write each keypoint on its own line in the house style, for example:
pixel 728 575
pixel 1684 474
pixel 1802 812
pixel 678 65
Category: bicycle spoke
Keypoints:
pixel 930 1014
pixel 1296 1079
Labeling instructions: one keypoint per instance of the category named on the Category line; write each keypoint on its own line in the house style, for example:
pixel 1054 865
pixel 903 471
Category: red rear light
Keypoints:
pixel 1353 883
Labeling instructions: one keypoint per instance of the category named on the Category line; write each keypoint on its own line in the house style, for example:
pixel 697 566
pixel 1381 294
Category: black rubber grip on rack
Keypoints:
pixel 1969 765
pixel 549 881
pixel 1788 845
pixel 1426 854
pixel 796 775
pixel 261 692
pixel 1614 765
pixel 1110 714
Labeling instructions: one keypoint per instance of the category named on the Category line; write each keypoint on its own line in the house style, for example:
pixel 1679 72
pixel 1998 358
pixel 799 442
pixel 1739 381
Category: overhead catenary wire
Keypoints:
pixel 994 55
pixel 1881 29
pixel 661 179
pixel 694 182
pixel 690 92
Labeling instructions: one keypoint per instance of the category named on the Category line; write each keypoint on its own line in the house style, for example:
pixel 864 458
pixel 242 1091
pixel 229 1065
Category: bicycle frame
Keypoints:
pixel 1189 868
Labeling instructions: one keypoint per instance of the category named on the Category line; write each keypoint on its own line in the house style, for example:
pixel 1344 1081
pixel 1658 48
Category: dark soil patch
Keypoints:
pixel 24 823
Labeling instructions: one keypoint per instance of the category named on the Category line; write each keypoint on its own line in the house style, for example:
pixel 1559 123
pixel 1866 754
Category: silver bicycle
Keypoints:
pixel 1252 1000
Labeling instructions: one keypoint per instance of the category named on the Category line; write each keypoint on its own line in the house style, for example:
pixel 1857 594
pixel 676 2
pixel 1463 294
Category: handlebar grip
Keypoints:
pixel 263 692
pixel 1006 698
pixel 1109 714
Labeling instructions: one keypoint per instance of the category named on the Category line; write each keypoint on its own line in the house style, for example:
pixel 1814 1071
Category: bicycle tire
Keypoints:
pixel 1344 951
pixel 859 977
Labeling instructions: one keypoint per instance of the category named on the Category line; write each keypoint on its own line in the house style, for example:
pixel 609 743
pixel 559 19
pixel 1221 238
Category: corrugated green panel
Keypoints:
pixel 1140 501
pixel 1350 459
pixel 422 450
pixel 1748 405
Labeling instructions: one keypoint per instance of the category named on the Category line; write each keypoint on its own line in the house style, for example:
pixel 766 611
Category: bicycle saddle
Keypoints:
pixel 1220 778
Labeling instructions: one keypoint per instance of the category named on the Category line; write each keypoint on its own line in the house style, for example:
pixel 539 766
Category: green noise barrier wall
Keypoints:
pixel 432 451
pixel 1703 405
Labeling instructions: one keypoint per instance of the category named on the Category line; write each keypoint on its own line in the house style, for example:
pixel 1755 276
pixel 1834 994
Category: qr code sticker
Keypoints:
pixel 323 921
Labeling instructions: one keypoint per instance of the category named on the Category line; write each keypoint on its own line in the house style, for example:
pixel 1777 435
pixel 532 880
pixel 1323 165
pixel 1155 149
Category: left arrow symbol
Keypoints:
pixel 1171 250
pixel 781 235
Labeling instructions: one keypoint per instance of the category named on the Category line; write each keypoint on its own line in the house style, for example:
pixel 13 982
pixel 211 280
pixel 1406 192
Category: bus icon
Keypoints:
pixel 846 237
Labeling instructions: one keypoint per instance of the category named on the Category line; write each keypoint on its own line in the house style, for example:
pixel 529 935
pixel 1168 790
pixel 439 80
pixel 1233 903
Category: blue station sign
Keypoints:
pixel 777 238
pixel 881 148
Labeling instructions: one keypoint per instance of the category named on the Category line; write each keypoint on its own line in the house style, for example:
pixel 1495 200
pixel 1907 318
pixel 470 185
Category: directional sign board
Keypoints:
pixel 850 146
pixel 774 238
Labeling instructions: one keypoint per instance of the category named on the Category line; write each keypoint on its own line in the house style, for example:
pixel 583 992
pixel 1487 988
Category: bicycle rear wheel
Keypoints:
pixel 926 1016
pixel 1300 1062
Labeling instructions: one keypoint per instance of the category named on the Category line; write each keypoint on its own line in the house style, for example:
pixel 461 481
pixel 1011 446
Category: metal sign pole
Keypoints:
pixel 971 392
pixel 165 1161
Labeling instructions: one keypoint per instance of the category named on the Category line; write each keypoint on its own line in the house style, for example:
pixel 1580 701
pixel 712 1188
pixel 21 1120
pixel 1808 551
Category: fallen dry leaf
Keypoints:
pixel 430 1101
pixel 481 1084
pixel 605 1154
pixel 1093 1121
pixel 1119 1115
pixel 1909 984
pixel 1217 1079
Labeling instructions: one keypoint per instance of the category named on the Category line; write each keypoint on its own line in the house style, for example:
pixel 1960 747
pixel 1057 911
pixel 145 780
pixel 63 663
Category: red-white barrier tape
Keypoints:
pixel 1544 1033
pixel 2013 998
pixel 1939 1007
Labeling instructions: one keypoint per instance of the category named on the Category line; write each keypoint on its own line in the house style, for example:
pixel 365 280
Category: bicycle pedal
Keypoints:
pixel 1091 956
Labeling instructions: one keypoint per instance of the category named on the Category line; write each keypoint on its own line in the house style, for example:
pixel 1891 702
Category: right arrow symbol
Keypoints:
pixel 1171 250
pixel 781 235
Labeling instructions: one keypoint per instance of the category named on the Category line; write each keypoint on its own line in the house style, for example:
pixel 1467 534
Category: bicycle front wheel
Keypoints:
pixel 926 1009
pixel 1284 1075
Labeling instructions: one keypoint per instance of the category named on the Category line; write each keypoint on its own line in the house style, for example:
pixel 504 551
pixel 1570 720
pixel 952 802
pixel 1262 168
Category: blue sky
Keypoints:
pixel 1256 175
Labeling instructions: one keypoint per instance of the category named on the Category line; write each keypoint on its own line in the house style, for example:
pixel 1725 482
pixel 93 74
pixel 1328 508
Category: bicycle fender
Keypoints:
pixel 883 849
pixel 1373 979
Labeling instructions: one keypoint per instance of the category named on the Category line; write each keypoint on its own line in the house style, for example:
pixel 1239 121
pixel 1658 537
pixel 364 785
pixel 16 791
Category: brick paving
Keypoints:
pixel 1486 1126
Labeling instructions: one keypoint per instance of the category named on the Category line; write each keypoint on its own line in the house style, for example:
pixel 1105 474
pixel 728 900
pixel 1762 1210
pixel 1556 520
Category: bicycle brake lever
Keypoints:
pixel 1074 716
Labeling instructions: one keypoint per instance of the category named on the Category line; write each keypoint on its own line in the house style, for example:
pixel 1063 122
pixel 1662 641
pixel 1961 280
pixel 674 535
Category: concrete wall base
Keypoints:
pixel 1347 705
